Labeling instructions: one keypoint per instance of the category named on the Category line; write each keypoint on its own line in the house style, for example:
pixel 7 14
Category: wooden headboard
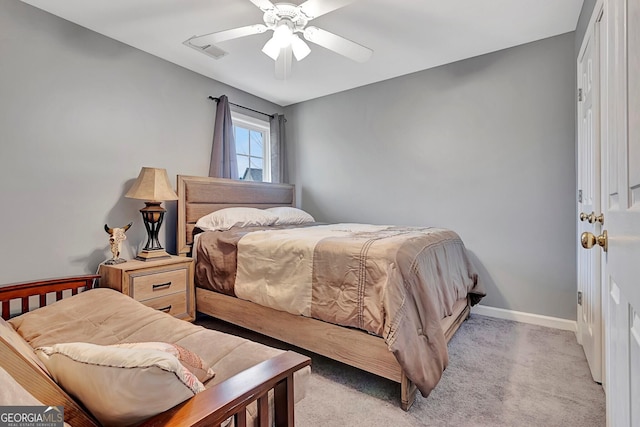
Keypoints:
pixel 198 196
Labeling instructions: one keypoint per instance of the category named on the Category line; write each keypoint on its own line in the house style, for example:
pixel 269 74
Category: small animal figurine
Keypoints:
pixel 116 237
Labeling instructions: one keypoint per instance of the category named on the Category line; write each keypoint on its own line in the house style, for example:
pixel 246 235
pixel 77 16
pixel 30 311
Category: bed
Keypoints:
pixel 250 382
pixel 412 357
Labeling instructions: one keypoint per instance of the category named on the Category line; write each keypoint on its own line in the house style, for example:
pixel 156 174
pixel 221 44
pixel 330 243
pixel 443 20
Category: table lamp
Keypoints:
pixel 153 187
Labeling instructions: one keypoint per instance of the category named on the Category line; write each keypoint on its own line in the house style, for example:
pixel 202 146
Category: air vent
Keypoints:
pixel 211 50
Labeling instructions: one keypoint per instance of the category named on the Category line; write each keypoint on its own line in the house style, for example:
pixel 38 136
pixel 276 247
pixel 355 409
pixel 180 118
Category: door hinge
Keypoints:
pixel 579 196
pixel 579 297
pixel 580 95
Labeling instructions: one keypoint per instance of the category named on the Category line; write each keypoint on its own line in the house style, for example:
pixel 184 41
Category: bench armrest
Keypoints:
pixel 231 397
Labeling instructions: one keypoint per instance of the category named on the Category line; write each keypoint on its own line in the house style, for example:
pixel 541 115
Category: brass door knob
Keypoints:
pixel 592 217
pixel 589 240
pixel 596 218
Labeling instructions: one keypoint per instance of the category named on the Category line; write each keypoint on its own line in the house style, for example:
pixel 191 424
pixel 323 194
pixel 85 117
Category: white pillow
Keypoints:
pixel 226 218
pixel 288 215
pixel 120 386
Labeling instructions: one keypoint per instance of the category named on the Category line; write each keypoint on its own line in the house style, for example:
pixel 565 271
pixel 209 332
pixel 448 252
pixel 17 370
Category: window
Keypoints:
pixel 252 147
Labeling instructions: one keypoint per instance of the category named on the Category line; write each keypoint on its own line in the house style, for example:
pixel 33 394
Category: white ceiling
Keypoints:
pixel 405 35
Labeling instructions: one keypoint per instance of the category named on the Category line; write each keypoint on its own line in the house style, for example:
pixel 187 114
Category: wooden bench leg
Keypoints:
pixel 408 392
pixel 283 402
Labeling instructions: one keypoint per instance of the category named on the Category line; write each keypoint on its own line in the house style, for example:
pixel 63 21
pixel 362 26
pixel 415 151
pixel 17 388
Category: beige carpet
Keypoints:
pixel 500 373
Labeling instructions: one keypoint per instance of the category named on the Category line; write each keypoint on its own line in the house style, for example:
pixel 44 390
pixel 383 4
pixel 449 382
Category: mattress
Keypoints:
pixel 395 282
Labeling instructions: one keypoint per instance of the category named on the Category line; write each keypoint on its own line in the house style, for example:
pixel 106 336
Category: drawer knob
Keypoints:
pixel 161 286
pixel 165 309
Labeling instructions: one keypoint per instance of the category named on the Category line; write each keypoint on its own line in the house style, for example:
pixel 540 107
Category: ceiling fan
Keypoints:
pixel 287 20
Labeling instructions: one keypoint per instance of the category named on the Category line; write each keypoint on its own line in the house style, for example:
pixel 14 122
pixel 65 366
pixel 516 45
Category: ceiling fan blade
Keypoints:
pixel 220 36
pixel 283 63
pixel 344 47
pixel 264 5
pixel 314 8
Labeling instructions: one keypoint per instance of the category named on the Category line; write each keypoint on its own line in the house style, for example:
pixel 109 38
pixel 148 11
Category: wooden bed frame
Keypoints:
pixel 198 196
pixel 211 407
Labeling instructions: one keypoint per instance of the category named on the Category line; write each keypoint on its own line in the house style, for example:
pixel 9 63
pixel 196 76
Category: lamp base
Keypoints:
pixel 152 215
pixel 152 255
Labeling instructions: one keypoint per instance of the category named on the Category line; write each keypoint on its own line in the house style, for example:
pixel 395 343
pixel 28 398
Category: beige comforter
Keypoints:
pixel 395 282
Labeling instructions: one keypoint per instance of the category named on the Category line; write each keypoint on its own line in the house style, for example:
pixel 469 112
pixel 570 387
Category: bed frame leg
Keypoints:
pixel 408 392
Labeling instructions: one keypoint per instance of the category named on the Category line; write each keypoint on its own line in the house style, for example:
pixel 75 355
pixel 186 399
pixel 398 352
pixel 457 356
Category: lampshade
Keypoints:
pixel 272 48
pixel 153 185
pixel 299 47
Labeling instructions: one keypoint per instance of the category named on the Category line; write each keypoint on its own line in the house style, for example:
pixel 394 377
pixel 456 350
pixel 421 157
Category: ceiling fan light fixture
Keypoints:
pixel 283 34
pixel 299 47
pixel 271 48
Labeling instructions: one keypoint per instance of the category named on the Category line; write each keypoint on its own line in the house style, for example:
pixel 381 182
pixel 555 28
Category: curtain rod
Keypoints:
pixel 240 106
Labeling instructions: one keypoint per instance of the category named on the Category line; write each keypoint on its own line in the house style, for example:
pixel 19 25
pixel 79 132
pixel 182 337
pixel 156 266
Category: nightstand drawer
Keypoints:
pixel 163 283
pixel 175 304
pixel 153 285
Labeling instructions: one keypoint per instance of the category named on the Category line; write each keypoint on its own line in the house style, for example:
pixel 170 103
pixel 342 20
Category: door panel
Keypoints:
pixel 622 211
pixel 618 396
pixel 633 47
pixel 589 261
pixel 635 371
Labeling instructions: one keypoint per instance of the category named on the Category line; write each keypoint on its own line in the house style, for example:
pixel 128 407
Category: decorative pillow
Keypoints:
pixel 289 215
pixel 120 386
pixel 226 218
pixel 189 359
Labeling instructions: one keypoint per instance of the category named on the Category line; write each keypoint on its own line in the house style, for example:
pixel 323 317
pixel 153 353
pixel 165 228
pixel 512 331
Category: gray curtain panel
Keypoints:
pixel 279 172
pixel 224 163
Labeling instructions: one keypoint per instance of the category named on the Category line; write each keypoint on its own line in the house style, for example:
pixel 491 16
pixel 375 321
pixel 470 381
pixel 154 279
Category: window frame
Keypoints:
pixel 257 125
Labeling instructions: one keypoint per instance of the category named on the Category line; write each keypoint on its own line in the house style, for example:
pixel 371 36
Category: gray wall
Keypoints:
pixel 80 114
pixel 483 146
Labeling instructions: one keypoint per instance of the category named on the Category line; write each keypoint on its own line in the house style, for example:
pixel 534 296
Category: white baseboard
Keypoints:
pixel 519 316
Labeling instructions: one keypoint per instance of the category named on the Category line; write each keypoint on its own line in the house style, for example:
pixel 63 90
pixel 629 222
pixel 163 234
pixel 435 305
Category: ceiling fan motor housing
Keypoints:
pixel 289 13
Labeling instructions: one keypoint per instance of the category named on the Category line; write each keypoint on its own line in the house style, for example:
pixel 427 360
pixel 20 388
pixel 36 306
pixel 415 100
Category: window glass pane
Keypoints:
pixel 243 165
pixel 252 147
pixel 256 144
pixel 254 174
pixel 242 140
pixel 257 163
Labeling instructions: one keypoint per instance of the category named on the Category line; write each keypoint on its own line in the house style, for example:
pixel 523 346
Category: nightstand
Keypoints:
pixel 164 284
